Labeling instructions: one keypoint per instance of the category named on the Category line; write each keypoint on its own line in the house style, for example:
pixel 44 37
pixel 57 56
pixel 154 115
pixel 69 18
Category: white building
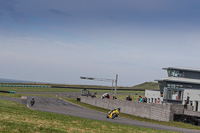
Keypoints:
pixel 193 97
pixel 182 86
pixel 153 96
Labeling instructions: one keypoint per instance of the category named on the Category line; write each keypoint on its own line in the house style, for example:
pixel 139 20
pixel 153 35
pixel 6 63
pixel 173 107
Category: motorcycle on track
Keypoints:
pixel 32 101
pixel 113 113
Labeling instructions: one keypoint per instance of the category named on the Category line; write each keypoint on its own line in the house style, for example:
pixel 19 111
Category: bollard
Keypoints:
pixel 198 122
pixel 78 99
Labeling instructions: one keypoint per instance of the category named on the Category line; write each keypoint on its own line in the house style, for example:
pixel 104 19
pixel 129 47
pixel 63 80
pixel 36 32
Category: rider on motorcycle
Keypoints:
pixel 32 101
pixel 114 113
pixel 114 110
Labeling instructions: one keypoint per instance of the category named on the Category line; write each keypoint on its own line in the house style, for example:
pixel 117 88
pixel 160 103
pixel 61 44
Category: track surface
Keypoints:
pixel 63 107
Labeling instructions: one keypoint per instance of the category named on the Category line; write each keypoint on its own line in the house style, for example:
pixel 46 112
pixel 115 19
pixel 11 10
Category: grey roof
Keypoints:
pixel 183 68
pixel 182 80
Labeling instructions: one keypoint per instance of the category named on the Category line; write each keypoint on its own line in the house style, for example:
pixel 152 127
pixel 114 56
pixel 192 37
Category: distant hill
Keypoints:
pixel 4 80
pixel 143 86
pixel 147 85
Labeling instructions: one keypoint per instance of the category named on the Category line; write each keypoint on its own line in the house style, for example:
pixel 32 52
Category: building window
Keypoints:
pixel 173 94
pixel 187 86
pixel 177 86
pixel 174 86
pixel 176 73
pixel 162 85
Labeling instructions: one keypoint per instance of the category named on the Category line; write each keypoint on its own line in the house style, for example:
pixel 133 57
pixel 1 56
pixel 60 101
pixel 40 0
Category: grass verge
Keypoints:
pixel 19 95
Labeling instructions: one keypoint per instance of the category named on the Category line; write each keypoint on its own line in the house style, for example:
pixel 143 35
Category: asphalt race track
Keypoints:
pixel 60 106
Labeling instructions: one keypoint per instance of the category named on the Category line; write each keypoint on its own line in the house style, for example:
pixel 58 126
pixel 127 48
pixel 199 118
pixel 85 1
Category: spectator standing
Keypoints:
pixel 128 98
pixel 158 100
pixel 145 99
pixel 114 97
pixel 140 99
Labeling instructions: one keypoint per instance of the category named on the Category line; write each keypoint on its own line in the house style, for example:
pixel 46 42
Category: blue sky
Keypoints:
pixel 58 41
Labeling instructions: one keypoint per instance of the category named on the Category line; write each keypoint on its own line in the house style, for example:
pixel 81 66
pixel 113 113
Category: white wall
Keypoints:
pixel 194 98
pixel 192 93
pixel 152 96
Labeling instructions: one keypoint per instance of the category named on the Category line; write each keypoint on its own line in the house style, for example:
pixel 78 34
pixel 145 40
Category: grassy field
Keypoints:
pixel 145 85
pixel 16 118
pixel 10 95
pixel 123 97
pixel 172 123
pixel 57 90
pixel 20 95
pixel 135 97
pixel 36 89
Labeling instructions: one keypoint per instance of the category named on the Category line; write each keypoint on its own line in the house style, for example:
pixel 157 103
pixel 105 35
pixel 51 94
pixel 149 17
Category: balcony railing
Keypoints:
pixel 173 94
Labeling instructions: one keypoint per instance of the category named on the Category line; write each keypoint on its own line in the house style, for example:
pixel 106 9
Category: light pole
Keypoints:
pixel 106 80
pixel 116 85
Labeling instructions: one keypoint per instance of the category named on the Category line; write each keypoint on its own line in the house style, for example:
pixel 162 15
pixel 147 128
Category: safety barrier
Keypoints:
pixel 7 92
pixel 39 86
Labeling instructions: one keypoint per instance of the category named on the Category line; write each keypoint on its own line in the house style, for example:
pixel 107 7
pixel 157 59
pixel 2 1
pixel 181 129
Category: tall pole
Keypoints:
pixel 116 84
pixel 112 86
pixel 107 80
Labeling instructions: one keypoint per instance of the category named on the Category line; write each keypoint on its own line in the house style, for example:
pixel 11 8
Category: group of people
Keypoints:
pixel 105 96
pixel 140 99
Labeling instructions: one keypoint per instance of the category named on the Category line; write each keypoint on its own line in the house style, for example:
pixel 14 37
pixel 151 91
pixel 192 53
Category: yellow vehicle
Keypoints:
pixel 113 113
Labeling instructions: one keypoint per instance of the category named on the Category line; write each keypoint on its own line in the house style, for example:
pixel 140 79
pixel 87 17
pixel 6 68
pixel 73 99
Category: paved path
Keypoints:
pixel 63 107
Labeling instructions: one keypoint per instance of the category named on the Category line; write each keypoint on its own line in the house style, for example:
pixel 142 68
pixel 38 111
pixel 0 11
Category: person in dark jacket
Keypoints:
pixel 128 98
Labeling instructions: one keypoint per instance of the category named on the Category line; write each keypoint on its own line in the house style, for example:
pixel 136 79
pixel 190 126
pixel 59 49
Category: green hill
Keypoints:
pixel 147 85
